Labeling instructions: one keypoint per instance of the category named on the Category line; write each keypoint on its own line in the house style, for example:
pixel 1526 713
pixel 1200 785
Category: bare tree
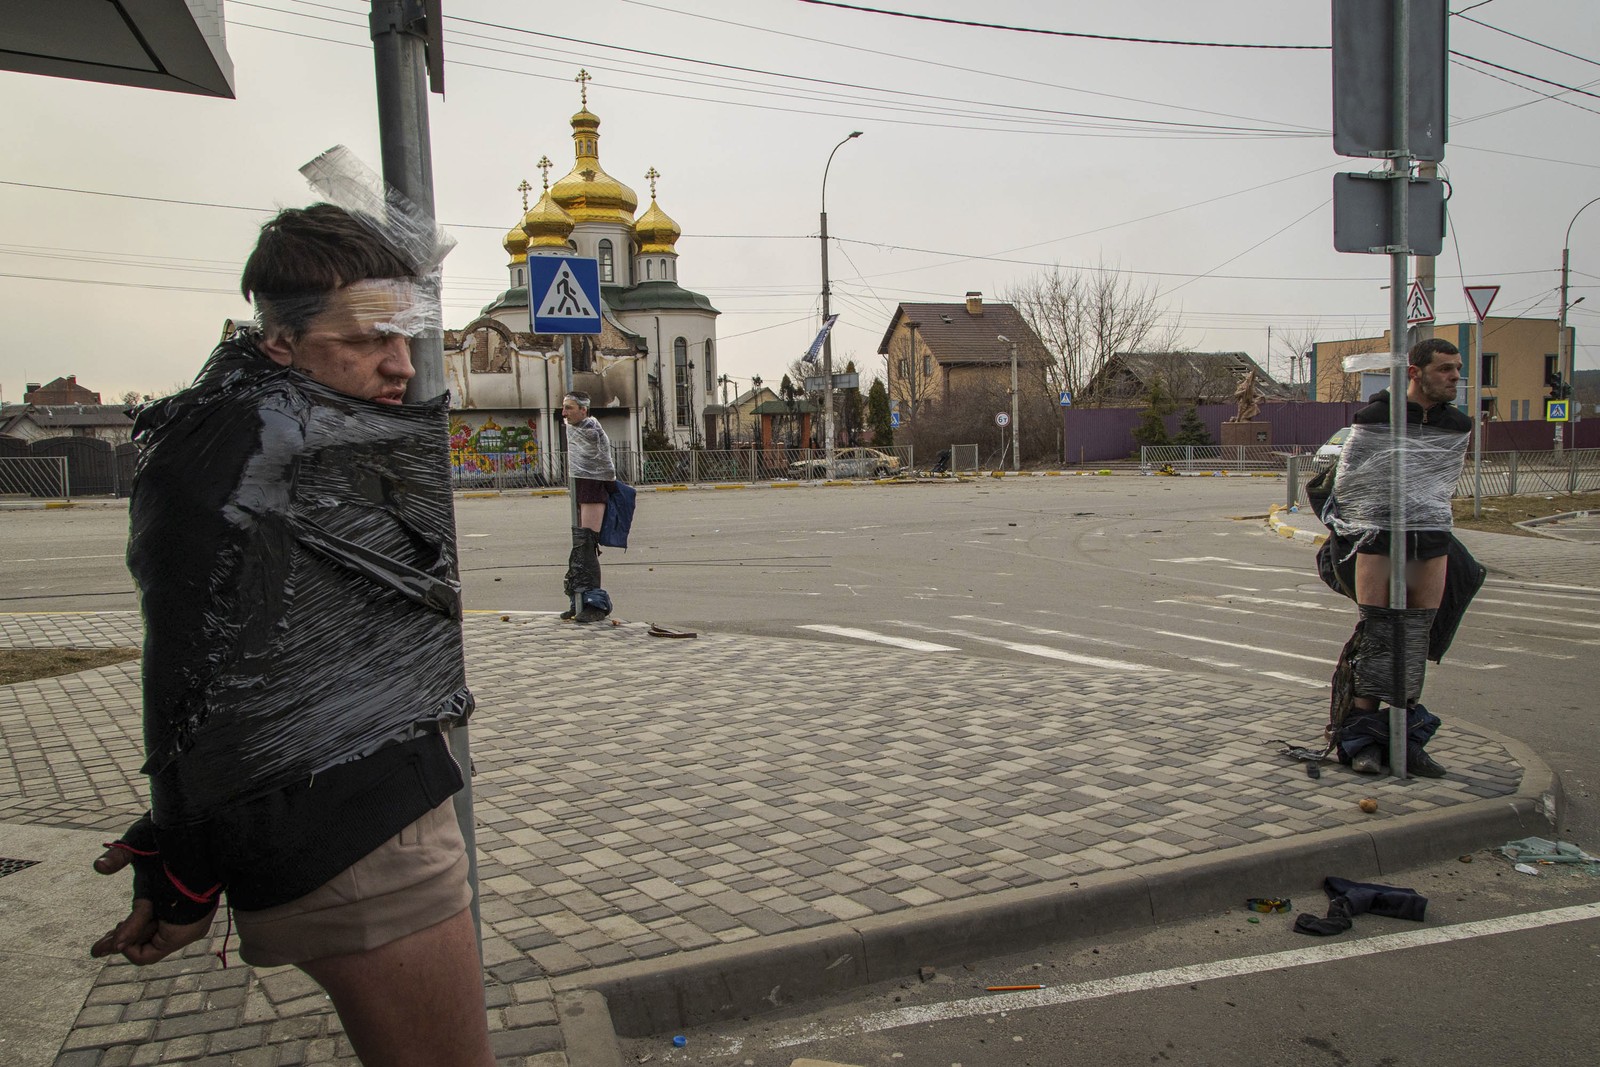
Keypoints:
pixel 1290 348
pixel 909 375
pixel 1084 317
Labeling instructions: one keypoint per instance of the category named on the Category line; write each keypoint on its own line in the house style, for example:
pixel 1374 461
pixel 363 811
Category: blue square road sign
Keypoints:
pixel 564 294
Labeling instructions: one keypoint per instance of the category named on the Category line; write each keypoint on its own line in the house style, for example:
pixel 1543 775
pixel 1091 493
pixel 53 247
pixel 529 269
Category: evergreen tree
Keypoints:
pixel 1191 431
pixel 1152 428
pixel 878 414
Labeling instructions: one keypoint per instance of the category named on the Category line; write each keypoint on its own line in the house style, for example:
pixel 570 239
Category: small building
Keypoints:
pixel 1519 360
pixel 63 408
pixel 1125 380
pixel 947 353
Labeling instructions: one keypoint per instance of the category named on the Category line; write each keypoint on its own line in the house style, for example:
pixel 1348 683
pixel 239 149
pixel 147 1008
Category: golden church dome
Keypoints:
pixel 655 230
pixel 544 225
pixel 588 193
pixel 516 243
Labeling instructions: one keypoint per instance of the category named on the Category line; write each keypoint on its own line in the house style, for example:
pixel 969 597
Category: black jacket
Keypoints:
pixel 1445 416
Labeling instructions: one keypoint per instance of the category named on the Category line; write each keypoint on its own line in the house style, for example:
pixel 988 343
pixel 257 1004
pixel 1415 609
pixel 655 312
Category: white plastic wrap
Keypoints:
pixel 1431 460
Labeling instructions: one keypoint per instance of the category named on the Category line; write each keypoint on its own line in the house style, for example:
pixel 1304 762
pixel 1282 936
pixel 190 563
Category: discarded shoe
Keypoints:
pixel 1368 761
pixel 1419 763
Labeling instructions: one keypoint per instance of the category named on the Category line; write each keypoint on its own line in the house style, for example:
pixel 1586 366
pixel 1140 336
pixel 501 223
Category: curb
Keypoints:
pixel 647 997
pixel 1289 531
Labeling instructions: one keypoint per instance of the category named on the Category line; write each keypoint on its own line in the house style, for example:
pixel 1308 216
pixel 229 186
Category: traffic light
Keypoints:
pixel 1556 389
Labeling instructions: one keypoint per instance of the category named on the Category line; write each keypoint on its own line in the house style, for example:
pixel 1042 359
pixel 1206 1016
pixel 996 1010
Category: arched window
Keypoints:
pixel 519 275
pixel 608 272
pixel 648 272
pixel 710 364
pixel 582 355
pixel 682 383
pixel 664 270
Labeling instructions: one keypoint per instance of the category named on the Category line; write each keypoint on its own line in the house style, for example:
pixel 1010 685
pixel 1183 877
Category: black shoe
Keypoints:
pixel 1422 765
pixel 1368 761
pixel 569 613
pixel 591 614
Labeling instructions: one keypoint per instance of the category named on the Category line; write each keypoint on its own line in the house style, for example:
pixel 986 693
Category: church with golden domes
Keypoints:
pixel 654 362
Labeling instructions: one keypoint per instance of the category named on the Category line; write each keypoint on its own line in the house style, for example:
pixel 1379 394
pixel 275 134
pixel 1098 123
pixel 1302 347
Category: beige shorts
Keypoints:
pixel 412 881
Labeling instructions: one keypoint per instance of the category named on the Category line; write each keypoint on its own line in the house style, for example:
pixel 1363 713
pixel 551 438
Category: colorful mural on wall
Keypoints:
pixel 479 445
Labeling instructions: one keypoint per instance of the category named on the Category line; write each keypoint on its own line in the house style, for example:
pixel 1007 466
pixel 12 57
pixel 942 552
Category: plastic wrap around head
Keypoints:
pixel 1430 459
pixel 405 307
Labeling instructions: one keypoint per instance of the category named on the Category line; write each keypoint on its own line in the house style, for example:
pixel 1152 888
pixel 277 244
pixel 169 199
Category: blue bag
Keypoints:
pixel 614 528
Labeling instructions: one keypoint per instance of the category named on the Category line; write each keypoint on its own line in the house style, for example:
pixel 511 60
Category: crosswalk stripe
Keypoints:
pixel 882 639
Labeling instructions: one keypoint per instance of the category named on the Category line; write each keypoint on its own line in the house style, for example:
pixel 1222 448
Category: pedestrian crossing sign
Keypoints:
pixel 564 294
pixel 1419 308
pixel 1557 410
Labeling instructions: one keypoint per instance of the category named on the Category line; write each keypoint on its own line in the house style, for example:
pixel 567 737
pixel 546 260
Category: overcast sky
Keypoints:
pixel 988 155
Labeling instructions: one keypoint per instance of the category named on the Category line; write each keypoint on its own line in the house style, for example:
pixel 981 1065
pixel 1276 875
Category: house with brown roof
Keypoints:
pixel 949 353
pixel 1186 378
pixel 63 408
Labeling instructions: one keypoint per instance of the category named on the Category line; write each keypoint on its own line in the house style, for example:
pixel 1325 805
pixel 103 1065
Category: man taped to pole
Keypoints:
pixel 1441 577
pixel 292 539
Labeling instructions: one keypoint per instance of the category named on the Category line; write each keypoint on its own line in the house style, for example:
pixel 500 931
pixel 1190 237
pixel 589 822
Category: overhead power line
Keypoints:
pixel 1063 33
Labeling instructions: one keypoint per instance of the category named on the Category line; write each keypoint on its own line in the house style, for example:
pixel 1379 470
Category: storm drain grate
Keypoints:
pixel 13 866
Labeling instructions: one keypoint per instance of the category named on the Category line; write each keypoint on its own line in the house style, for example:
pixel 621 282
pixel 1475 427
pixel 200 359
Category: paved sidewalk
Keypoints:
pixel 740 819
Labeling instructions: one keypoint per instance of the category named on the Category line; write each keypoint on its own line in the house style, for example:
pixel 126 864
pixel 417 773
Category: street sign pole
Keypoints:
pixel 1400 168
pixel 1479 297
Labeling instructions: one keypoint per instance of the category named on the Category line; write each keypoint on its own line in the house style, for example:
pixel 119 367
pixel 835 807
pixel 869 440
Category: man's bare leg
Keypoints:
pixel 1424 589
pixel 415 1002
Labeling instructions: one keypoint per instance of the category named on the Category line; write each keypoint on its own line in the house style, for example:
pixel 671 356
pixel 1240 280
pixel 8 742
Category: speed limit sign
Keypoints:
pixel 1001 418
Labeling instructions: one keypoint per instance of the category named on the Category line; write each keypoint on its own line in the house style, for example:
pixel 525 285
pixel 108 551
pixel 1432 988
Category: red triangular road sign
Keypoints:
pixel 1480 297
pixel 1418 307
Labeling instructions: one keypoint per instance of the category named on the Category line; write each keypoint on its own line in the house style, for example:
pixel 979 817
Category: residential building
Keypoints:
pixel 943 354
pixel 1519 355
pixel 1125 380
pixel 63 408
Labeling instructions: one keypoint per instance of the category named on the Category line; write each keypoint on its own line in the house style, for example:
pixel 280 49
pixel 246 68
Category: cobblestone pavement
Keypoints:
pixel 753 786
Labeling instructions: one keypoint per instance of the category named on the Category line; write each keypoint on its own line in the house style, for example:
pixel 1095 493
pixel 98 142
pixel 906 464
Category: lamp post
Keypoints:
pixel 1016 461
pixel 1564 351
pixel 726 439
pixel 827 342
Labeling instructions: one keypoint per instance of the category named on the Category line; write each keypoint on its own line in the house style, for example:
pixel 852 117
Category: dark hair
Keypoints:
pixel 581 399
pixel 307 253
pixel 1422 352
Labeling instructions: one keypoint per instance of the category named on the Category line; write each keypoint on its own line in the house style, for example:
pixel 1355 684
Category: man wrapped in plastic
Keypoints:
pixel 1429 458
pixel 292 539
pixel 595 479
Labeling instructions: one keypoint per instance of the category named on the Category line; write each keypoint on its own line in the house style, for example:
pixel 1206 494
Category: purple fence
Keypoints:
pixel 1094 435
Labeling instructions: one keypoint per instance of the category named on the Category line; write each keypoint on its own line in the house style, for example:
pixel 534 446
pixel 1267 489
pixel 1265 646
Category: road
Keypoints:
pixel 1122 574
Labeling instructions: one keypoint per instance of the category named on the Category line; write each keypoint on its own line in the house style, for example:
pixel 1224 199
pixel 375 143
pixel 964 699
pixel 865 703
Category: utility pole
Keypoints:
pixel 408 53
pixel 827 340
pixel 1564 353
pixel 1016 460
pixel 726 440
pixel 911 369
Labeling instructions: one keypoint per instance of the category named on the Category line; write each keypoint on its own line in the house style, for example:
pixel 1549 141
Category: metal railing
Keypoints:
pixel 1205 458
pixel 1575 470
pixel 696 466
pixel 35 477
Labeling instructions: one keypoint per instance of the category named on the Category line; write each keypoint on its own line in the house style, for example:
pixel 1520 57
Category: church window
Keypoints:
pixel 663 270
pixel 607 271
pixel 710 363
pixel 648 270
pixel 519 275
pixel 682 383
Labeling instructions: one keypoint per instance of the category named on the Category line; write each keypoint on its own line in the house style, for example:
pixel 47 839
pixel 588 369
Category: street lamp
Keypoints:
pixel 827 341
pixel 1563 348
pixel 1016 461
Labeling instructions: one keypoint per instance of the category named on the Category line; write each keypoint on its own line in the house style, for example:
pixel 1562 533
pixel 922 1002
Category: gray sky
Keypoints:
pixel 987 156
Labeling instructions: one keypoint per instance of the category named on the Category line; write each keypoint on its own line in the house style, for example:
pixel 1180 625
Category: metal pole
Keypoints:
pixel 1477 420
pixel 399 54
pixel 1563 368
pixel 827 342
pixel 1400 169
pixel 1016 422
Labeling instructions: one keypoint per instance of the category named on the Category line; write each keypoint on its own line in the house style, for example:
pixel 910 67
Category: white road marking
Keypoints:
pixel 1199 972
pixel 1042 651
pixel 1239 644
pixel 62 559
pixel 882 639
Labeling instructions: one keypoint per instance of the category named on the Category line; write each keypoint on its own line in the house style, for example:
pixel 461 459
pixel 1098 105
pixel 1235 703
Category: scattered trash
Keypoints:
pixel 1313 771
pixel 1347 899
pixel 1300 752
pixel 1466 859
pixel 680 1041
pixel 926 973
pixel 667 631
pixel 1269 905
pixel 1010 988
pixel 1543 850
pixel 644 1057
pixel 505 618
pixel 1252 919
pixel 1368 805
pixel 1523 868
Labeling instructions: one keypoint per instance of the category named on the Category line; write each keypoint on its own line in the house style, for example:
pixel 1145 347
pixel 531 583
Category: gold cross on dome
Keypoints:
pixel 544 167
pixel 651 175
pixel 583 79
pixel 523 187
